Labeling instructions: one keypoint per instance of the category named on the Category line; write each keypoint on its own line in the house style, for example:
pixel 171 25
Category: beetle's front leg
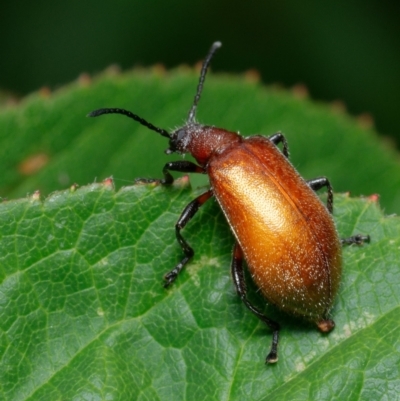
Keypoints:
pixel 181 166
pixel 187 214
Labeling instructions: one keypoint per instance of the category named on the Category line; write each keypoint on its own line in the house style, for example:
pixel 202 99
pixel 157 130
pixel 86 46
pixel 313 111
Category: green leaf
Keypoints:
pixel 83 313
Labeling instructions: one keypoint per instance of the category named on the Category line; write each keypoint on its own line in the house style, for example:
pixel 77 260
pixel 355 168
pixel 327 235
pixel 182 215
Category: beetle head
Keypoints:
pixel 182 139
pixel 201 141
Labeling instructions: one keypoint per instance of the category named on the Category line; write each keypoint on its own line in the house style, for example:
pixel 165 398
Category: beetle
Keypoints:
pixel 282 229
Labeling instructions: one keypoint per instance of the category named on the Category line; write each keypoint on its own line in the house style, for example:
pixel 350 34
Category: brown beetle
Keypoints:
pixel 282 229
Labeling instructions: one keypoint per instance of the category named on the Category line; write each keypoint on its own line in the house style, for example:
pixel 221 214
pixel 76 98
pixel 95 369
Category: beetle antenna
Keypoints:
pixel 192 113
pixel 129 114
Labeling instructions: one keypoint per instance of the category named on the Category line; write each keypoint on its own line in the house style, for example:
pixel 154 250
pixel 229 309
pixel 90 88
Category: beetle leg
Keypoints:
pixel 187 214
pixel 318 183
pixel 241 288
pixel 358 239
pixel 181 166
pixel 278 138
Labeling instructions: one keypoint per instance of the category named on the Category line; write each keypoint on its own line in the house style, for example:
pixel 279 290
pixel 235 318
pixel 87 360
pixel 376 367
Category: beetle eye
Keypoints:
pixel 178 141
pixel 180 134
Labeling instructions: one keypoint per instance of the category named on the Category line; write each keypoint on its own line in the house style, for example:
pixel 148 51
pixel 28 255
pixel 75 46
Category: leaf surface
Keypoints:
pixel 83 309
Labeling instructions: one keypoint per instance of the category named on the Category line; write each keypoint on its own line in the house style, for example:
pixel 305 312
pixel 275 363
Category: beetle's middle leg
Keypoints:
pixel 317 183
pixel 241 288
pixel 187 214
pixel 278 138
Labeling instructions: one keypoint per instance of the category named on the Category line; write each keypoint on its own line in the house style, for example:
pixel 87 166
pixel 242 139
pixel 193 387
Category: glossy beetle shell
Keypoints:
pixel 287 235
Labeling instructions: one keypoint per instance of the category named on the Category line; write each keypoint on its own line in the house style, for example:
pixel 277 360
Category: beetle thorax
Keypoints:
pixel 202 141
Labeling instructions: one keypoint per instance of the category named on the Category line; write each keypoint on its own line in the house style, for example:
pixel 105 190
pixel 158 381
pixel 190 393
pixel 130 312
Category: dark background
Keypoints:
pixel 346 50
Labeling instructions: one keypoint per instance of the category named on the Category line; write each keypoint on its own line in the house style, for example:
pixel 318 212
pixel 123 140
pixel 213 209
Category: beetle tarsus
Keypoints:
pixel 272 357
pixel 171 276
pixel 148 181
pixel 358 239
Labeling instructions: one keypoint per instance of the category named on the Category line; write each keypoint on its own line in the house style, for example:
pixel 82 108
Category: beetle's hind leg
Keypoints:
pixel 181 166
pixel 241 288
pixel 317 183
pixel 358 239
pixel 187 214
